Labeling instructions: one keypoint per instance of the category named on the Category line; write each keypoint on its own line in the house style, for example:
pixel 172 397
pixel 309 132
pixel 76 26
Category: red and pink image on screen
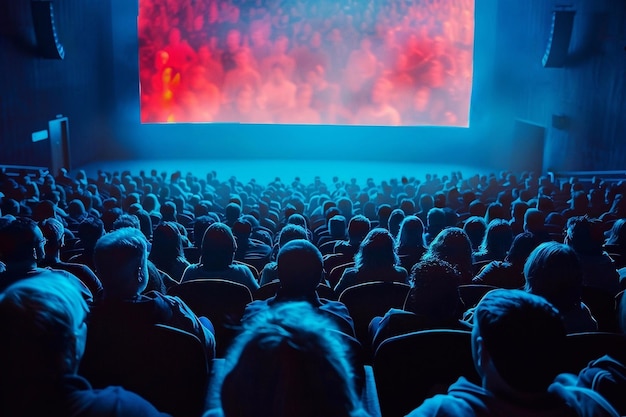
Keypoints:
pixel 341 62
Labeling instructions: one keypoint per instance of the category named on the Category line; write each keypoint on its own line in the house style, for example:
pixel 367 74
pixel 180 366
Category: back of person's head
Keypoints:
pixel 76 209
pixel 21 240
pixel 553 271
pixel 53 232
pixel 89 231
pixel 518 209
pixel 498 238
pixel 42 324
pixel 168 211
pixel 426 202
pixel 218 247
pixel 452 245
pixel 299 220
pixel 291 232
pixel 232 212
pixel 434 290
pixel 407 206
pixel 126 220
pixel 617 235
pixel 345 207
pixel 411 233
pixel 495 211
pixel 383 212
pixel 358 228
pixel 475 228
pixel 120 258
pixel 477 208
pixel 337 227
pixel 395 219
pixel 167 245
pixel 436 219
pixel 377 250
pixel 585 235
pixel 534 220
pixel 289 361
pixel 523 244
pixel 200 225
pixel 580 201
pixel 300 268
pixel 522 336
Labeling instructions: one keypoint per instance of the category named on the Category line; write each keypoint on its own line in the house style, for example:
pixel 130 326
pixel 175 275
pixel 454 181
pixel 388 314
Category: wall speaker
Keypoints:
pixel 48 42
pixel 560 35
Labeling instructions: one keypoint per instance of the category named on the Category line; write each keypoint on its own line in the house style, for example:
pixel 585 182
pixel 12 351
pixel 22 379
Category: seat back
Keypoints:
pixel 335 274
pixel 221 301
pixel 471 294
pixel 368 300
pixel 602 306
pixel 413 367
pixel 166 366
pixel 582 348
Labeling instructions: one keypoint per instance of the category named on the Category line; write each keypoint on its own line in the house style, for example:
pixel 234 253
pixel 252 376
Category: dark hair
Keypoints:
pixel 498 239
pixel 434 290
pixel 618 233
pixel 553 271
pixel 300 267
pixel 377 250
pixel 18 238
pixel 291 232
pixel 218 247
pixel 475 227
pixel 524 336
pixel 358 228
pixel 395 219
pixel 411 233
pixel 90 230
pixel 585 235
pixel 522 246
pixel 297 353
pixel 167 246
pixel 453 245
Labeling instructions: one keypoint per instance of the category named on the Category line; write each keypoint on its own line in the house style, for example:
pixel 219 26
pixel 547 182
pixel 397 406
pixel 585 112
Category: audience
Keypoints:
pixel 217 259
pixel 290 360
pixel 433 303
pixel 278 213
pixel 553 271
pixel 517 345
pixel 376 261
pixel 121 259
pixel 44 326
pixel 300 271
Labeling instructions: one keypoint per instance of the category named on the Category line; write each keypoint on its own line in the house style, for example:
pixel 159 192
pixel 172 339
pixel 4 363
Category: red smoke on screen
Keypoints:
pixel 348 62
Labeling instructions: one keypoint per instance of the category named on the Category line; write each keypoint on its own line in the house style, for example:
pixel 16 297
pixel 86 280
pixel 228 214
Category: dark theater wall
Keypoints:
pixel 34 90
pixel 587 95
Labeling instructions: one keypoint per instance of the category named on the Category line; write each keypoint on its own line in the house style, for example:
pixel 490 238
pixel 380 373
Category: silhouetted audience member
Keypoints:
pixel 290 360
pixel 436 222
pixel 496 243
pixel 21 247
pixel 358 228
pixel 376 261
pixel 410 242
pixel 553 271
pixel 121 259
pixel 300 271
pixel 616 240
pixel 586 237
pixel 217 259
pixel 452 245
pixel 607 375
pixel 518 341
pixel 52 230
pixel 475 228
pixel 44 328
pixel 89 231
pixel 248 248
pixel 166 252
pixel 288 233
pixel 508 273
pixel 432 303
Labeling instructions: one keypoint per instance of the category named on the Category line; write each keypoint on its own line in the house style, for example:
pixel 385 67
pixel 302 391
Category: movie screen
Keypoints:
pixel 331 62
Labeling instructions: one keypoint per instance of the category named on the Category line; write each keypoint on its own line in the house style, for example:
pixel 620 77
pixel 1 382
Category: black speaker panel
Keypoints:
pixel 48 42
pixel 560 35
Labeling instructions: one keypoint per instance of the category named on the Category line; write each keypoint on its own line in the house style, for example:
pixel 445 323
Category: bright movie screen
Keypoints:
pixel 332 62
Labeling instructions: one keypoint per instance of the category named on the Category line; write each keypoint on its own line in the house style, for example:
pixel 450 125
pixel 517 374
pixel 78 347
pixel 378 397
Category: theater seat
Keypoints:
pixel 413 367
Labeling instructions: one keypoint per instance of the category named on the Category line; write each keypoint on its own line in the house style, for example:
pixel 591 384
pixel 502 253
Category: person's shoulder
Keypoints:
pixel 443 405
pixel 113 401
